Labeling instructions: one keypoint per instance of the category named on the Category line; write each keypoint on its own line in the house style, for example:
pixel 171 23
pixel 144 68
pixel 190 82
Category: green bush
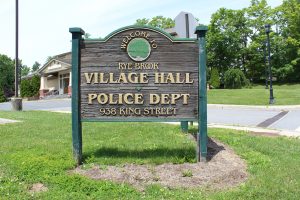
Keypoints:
pixel 30 87
pixel 35 84
pixel 235 79
pixel 214 80
pixel 25 88
pixel 2 96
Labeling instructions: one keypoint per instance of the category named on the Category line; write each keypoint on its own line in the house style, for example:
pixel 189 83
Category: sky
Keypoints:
pixel 44 24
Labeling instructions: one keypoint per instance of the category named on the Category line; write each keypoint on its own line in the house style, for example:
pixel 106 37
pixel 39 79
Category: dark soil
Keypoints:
pixel 223 170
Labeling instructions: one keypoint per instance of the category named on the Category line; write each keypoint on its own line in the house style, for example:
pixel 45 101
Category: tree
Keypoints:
pixel 214 80
pixel 30 87
pixel 157 21
pixel 258 14
pixel 7 76
pixel 35 66
pixel 35 84
pixel 237 39
pixel 287 41
pixel 24 70
pixel 2 96
pixel 87 36
pixel 235 79
pixel 227 40
pixel 49 58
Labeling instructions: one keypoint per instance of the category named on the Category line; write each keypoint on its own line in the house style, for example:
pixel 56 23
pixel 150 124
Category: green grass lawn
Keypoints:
pixel 39 150
pixel 287 94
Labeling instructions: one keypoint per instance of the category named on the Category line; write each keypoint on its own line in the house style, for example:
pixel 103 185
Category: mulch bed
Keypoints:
pixel 223 170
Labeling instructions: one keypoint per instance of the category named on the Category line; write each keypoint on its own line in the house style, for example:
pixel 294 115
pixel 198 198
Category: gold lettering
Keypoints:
pixel 185 98
pixel 159 76
pixel 102 98
pixel 122 111
pixel 138 99
pixel 174 97
pixel 91 97
pixel 101 78
pixel 187 78
pixel 178 78
pixel 147 36
pixel 121 65
pixel 157 111
pixel 154 99
pixel 170 78
pixel 96 77
pixel 135 80
pixel 163 111
pixel 111 78
pixel 120 99
pixel 122 78
pixel 128 38
pixel 137 33
pixel 111 98
pixel 146 111
pixel 126 96
pixel 143 34
pixel 123 46
pixel 88 77
pixel 144 78
pixel 132 34
pixel 129 66
pixel 165 99
pixel 125 40
pixel 169 111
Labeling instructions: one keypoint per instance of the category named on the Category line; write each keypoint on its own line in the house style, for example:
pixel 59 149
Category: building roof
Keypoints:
pixel 29 76
pixel 64 58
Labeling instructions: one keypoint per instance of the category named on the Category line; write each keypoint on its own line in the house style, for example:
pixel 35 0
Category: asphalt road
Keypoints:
pixel 275 117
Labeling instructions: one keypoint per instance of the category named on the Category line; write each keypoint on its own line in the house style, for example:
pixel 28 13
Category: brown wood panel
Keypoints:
pixel 172 57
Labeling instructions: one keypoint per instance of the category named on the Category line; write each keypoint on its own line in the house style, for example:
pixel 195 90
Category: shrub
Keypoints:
pixel 30 87
pixel 235 79
pixel 214 80
pixel 2 96
pixel 25 88
pixel 35 84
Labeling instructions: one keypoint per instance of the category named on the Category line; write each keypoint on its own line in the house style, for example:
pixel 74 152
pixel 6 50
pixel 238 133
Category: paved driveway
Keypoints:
pixel 276 117
pixel 51 105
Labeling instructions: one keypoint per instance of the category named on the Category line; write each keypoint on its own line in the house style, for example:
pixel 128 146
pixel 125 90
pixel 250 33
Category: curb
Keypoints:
pixel 258 130
pixel 262 131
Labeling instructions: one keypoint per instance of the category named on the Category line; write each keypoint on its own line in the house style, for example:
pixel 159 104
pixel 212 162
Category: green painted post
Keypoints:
pixel 202 102
pixel 184 126
pixel 76 119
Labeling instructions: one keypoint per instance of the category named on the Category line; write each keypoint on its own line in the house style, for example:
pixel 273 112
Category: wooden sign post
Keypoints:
pixel 138 73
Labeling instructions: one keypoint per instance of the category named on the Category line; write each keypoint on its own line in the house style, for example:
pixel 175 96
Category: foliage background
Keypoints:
pixel 30 87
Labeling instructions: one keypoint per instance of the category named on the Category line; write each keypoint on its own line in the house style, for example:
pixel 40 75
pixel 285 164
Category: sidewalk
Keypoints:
pixel 6 121
pixel 257 130
pixel 268 107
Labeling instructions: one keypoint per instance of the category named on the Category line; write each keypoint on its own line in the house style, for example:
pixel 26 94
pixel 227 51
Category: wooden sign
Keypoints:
pixel 136 74
pixel 139 74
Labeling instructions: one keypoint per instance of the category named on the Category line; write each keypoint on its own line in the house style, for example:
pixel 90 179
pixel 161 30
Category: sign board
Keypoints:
pixel 137 73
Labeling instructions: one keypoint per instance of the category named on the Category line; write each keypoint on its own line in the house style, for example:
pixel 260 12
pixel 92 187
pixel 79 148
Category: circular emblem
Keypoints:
pixel 138 49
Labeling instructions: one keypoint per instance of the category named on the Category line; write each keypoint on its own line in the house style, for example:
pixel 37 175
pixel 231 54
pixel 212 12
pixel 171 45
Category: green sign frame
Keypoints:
pixel 77 120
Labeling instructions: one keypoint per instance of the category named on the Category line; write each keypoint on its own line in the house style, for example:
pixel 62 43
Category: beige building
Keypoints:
pixel 56 76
